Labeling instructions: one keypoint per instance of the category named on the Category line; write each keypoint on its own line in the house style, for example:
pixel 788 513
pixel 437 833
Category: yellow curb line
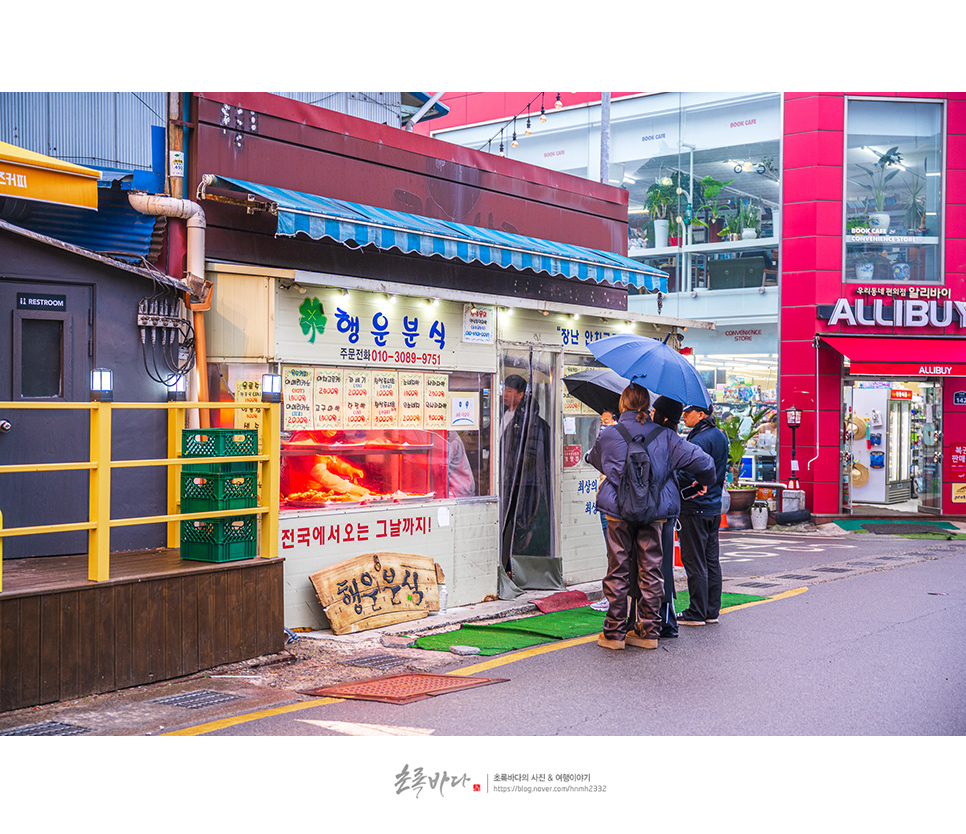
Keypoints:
pixel 468 670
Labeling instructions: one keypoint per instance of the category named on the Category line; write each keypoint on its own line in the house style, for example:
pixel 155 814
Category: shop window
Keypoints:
pixel 893 192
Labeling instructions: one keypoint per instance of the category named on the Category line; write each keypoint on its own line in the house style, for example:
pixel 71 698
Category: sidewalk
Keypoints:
pixel 310 660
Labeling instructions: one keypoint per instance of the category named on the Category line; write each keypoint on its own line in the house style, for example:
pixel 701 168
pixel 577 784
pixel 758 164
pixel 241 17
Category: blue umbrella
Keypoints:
pixel 653 365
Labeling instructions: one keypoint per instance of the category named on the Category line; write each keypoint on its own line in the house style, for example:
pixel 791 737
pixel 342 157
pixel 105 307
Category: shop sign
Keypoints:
pixel 957 462
pixel 571 456
pixel 902 369
pixel 900 394
pixel 40 301
pixel 901 313
pixel 479 324
pixel 959 493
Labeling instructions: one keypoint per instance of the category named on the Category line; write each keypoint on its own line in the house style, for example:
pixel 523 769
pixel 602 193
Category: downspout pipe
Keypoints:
pixel 194 215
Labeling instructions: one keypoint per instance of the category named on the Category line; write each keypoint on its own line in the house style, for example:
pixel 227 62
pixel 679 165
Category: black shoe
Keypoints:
pixel 668 632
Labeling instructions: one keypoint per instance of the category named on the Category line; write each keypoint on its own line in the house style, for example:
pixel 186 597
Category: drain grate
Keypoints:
pixel 891 558
pixel 757 585
pixel 833 570
pixel 197 700
pixel 863 564
pixel 47 728
pixel 377 661
pixel 795 576
pixel 401 689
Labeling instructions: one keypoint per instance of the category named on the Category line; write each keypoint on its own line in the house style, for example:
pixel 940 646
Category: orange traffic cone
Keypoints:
pixel 677 551
pixel 724 522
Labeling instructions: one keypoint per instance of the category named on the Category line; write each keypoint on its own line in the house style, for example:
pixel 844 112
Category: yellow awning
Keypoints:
pixel 32 176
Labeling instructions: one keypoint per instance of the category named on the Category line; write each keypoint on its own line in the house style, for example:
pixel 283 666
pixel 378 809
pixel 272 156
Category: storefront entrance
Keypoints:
pixel 892 445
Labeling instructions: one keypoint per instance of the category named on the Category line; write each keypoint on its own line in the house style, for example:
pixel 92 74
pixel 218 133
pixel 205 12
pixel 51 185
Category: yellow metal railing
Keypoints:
pixel 101 464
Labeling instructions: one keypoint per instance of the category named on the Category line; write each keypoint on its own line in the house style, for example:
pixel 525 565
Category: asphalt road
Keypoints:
pixel 877 651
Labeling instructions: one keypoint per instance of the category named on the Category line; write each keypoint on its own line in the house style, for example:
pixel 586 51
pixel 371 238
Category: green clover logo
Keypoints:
pixel 312 317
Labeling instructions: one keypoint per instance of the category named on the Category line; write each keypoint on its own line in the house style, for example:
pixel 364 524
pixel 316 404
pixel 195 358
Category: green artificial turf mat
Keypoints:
pixel 860 524
pixel 936 537
pixel 509 635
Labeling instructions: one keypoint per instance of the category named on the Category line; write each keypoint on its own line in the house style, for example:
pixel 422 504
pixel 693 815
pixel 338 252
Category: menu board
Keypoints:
pixel 571 405
pixel 436 402
pixel 385 399
pixel 297 399
pixel 327 398
pixel 248 391
pixel 411 399
pixel 357 399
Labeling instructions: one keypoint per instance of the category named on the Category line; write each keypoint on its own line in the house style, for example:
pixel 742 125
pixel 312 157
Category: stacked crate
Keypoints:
pixel 206 487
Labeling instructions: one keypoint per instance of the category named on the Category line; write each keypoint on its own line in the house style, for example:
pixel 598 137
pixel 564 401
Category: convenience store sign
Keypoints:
pixel 901 313
pixel 319 399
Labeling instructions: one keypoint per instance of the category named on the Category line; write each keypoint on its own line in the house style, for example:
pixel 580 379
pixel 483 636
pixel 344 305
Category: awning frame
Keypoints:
pixel 419 227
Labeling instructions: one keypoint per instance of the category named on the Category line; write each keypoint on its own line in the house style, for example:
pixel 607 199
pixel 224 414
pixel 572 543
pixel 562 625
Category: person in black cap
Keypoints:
pixel 700 520
pixel 667 412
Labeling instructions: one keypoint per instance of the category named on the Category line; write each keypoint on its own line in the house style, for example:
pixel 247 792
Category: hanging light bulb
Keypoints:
pixel 527 132
pixel 543 113
pixel 513 140
pixel 558 103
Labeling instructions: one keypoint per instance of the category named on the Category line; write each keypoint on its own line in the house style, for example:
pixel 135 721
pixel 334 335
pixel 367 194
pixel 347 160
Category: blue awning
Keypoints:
pixel 360 225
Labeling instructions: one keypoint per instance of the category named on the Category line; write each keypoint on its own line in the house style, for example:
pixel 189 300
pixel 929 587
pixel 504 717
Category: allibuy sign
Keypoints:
pixel 901 313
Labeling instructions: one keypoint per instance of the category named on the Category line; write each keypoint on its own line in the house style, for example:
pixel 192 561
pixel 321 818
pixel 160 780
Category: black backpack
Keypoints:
pixel 638 495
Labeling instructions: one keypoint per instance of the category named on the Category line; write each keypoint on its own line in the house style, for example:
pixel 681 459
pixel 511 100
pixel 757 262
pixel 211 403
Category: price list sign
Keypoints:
pixel 327 398
pixel 385 399
pixel 357 400
pixel 248 391
pixel 410 400
pixel 436 401
pixel 297 399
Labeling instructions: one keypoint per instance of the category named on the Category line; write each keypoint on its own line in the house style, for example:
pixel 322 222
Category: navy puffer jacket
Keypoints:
pixel 712 440
pixel 669 453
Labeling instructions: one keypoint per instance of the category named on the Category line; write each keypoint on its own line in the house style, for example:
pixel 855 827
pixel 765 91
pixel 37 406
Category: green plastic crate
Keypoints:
pixel 208 490
pixel 218 539
pixel 219 443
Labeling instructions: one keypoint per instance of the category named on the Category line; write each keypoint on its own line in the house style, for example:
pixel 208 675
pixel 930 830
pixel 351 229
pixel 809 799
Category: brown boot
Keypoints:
pixel 602 640
pixel 632 639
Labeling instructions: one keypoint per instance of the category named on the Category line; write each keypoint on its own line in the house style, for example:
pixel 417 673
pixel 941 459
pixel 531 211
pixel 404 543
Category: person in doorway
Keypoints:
pixel 606 419
pixel 634 551
pixel 667 413
pixel 526 470
pixel 700 520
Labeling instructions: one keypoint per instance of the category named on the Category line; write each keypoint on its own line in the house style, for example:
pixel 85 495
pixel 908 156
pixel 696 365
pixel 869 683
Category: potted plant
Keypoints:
pixel 711 191
pixel 879 177
pixel 674 231
pixel 915 216
pixel 658 201
pixel 731 229
pixel 759 515
pixel 741 497
pixel 750 217
pixel 864 265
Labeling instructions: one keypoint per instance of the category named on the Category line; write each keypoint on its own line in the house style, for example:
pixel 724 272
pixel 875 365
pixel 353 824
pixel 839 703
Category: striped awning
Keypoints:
pixel 360 225
pixel 26 175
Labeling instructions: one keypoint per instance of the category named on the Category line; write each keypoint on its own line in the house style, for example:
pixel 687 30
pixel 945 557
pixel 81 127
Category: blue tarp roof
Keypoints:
pixel 353 223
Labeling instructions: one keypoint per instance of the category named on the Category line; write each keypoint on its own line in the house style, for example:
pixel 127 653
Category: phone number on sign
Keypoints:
pixel 406 357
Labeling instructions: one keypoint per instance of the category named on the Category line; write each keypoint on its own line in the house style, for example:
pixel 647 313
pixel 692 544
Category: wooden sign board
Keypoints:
pixel 377 589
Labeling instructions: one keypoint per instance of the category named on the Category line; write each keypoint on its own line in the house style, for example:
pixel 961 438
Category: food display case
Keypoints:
pixel 338 468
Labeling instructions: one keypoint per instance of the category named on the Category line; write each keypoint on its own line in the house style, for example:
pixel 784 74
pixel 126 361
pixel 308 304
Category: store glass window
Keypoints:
pixel 893 191
pixel 367 436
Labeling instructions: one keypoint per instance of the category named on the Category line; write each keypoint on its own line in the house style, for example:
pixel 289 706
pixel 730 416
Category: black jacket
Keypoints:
pixel 712 440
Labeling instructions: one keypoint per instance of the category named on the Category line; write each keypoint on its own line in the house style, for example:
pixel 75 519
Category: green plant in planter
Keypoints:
pixel 659 199
pixel 738 439
pixel 712 205
pixel 750 215
pixel 732 225
pixel 851 223
pixel 915 216
pixel 880 175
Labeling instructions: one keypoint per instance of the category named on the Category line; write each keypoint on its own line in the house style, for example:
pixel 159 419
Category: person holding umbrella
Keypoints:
pixel 700 520
pixel 634 552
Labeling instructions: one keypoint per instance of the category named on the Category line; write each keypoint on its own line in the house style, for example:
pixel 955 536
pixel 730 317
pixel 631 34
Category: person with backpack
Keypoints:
pixel 639 460
pixel 700 520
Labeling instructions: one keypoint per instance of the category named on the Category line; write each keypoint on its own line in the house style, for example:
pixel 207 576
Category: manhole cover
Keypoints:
pixel 376 661
pixel 795 576
pixel 46 728
pixel 402 688
pixel 834 570
pixel 198 699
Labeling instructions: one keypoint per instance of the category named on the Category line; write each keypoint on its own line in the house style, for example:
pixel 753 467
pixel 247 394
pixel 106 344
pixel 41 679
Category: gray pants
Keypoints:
pixel 699 555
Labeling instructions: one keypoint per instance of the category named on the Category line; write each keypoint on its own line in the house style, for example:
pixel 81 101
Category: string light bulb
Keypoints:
pixel 527 132
pixel 558 103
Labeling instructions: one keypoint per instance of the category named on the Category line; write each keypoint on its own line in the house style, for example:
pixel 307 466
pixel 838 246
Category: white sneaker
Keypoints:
pixel 601 605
